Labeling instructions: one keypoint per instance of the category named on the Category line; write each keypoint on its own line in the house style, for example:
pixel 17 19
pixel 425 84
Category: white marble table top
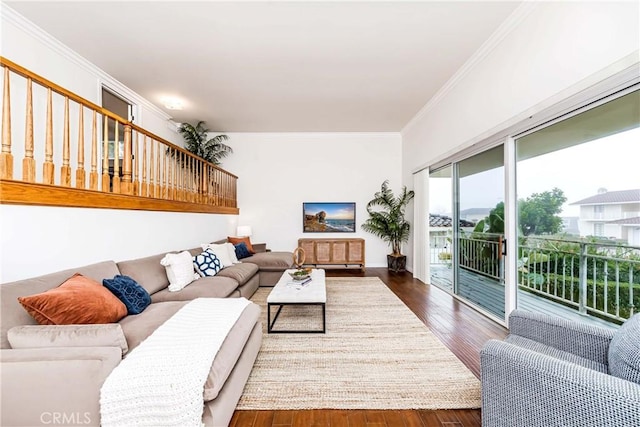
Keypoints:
pixel 288 291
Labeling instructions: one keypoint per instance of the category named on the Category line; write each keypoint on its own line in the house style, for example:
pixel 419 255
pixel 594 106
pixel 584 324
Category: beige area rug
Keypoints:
pixel 376 354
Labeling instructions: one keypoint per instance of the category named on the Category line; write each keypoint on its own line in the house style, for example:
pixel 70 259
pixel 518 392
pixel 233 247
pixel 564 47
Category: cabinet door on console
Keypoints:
pixel 309 248
pixel 340 252
pixel 323 252
pixel 356 251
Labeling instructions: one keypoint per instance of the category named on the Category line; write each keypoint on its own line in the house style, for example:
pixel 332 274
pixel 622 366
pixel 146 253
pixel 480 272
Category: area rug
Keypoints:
pixel 376 354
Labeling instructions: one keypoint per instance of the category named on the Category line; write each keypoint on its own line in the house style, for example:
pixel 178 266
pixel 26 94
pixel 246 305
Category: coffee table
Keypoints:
pixel 287 292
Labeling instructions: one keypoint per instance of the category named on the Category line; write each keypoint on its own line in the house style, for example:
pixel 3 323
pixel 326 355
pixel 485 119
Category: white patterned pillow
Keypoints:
pixel 179 269
pixel 221 251
pixel 207 264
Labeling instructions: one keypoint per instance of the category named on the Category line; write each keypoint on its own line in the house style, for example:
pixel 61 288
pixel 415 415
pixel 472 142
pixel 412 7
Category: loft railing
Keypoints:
pixel 47 132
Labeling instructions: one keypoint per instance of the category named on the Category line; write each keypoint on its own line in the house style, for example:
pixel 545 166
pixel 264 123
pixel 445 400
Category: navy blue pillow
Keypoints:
pixel 242 251
pixel 134 296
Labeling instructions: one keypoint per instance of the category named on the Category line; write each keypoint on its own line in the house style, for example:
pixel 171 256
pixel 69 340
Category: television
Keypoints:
pixel 329 217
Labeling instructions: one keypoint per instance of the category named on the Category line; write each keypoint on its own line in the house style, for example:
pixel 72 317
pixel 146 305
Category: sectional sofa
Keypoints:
pixel 53 374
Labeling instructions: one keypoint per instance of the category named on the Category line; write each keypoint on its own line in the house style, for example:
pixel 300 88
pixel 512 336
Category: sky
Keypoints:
pixel 612 162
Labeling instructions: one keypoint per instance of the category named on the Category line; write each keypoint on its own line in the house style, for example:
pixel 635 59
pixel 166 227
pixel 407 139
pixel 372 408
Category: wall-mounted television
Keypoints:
pixel 329 217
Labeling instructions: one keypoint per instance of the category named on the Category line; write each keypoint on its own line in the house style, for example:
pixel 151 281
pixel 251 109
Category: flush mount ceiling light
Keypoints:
pixel 171 103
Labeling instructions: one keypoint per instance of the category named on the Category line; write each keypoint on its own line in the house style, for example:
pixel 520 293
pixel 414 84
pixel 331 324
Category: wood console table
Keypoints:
pixel 333 252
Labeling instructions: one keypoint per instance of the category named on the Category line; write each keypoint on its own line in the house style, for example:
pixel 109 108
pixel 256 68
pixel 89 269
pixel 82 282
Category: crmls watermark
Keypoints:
pixel 65 418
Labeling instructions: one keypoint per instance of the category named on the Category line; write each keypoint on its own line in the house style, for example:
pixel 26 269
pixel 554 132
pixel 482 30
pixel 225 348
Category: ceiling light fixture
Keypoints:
pixel 172 103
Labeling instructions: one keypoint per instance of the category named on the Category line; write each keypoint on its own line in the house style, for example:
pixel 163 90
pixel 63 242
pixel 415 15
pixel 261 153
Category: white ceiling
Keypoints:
pixel 278 66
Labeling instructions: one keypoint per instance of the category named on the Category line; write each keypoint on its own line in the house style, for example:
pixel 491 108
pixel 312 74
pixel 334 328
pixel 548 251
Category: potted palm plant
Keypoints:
pixel 386 220
pixel 197 141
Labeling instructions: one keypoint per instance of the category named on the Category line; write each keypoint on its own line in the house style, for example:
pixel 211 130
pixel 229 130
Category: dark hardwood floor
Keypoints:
pixel 462 329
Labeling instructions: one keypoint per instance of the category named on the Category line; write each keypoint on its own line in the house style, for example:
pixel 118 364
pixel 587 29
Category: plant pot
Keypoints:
pixel 397 263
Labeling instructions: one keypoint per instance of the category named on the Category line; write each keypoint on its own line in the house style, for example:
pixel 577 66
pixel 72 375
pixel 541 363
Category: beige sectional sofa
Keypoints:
pixel 53 374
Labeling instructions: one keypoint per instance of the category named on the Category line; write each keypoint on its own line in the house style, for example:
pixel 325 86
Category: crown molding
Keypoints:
pixel 315 134
pixel 509 24
pixel 9 15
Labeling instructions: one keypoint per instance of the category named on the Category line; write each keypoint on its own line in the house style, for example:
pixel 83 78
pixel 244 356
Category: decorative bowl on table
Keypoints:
pixel 299 275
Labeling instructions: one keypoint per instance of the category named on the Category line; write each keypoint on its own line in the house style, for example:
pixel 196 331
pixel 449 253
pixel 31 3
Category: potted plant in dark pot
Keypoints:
pixel 386 220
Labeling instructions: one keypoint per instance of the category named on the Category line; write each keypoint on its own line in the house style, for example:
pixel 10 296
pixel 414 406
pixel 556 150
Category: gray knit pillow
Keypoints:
pixel 624 351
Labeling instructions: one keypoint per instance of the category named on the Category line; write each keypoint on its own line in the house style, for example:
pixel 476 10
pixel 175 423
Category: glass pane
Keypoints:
pixel 480 231
pixel 441 228
pixel 578 185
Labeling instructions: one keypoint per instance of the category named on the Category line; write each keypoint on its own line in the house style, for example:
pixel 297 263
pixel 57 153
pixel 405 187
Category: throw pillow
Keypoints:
pixel 221 251
pixel 624 351
pixel 79 300
pixel 207 264
pixel 135 297
pixel 245 240
pixel 179 268
pixel 242 251
pixel 232 253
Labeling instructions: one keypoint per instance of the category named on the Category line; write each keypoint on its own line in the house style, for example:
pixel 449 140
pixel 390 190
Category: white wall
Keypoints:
pixel 39 240
pixel 31 47
pixel 279 171
pixel 553 47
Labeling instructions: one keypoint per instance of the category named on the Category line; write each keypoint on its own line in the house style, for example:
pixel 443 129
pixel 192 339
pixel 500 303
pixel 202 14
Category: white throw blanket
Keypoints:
pixel 161 382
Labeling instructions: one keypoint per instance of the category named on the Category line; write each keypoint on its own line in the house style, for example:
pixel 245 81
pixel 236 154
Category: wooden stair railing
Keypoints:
pixel 146 173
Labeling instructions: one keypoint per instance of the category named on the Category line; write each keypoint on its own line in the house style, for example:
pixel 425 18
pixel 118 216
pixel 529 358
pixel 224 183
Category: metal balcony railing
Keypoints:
pixel 591 277
pixel 599 278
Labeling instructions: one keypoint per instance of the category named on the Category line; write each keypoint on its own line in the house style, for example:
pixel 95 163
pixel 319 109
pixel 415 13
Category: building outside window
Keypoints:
pixel 598 229
pixel 598 211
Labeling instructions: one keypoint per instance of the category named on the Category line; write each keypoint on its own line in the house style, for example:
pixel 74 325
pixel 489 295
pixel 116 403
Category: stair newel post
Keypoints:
pixel 190 175
pixel 179 174
pixel 106 181
pixel 6 158
pixel 172 175
pixel 206 180
pixel 48 168
pixel 126 162
pixel 161 174
pixel 28 162
pixel 93 175
pixel 145 183
pixel 136 167
pixel 80 173
pixel 152 185
pixel 159 158
pixel 116 158
pixel 65 170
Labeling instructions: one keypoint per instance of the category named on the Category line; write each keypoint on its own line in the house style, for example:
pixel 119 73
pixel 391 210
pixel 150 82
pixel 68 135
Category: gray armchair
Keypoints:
pixel 554 372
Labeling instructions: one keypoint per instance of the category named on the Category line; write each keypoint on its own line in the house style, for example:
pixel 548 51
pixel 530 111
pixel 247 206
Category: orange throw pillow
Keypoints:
pixel 79 300
pixel 235 240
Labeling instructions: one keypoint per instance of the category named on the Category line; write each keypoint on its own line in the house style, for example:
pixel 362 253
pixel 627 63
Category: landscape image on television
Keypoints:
pixel 329 217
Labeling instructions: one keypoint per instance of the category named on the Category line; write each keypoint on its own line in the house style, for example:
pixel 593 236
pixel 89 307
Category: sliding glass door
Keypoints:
pixel 578 184
pixel 440 254
pixel 571 213
pixel 479 231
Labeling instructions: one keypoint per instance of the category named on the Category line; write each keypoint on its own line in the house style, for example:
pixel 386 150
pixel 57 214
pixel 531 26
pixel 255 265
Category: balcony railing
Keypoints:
pixel 590 277
pixel 440 247
pixel 601 216
pixel 46 131
pixel 482 254
pixel 602 279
